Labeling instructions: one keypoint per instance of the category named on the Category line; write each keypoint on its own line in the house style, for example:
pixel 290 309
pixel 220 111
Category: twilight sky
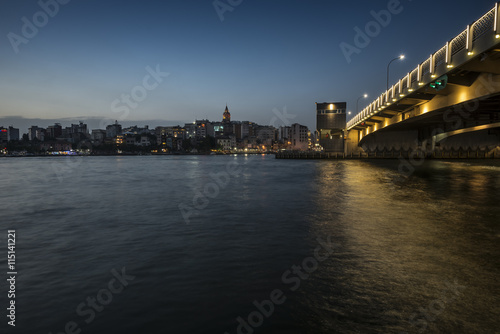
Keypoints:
pixel 264 55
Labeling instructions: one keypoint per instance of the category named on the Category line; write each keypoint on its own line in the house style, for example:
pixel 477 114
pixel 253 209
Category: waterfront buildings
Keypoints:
pixel 201 135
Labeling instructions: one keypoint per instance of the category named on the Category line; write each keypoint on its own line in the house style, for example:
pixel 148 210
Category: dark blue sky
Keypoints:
pixel 264 55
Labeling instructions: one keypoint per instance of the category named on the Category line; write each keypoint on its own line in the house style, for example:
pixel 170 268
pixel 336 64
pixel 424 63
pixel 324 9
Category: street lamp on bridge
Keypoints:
pixel 400 57
pixel 357 102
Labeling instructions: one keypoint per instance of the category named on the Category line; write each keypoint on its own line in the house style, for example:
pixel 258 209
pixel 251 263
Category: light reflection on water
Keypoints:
pixel 400 243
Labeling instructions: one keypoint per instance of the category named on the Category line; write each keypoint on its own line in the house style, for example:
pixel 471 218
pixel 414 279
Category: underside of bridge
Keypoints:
pixel 471 125
pixel 465 115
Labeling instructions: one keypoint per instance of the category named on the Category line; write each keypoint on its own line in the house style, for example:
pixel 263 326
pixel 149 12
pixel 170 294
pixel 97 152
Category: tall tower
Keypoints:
pixel 226 117
pixel 226 122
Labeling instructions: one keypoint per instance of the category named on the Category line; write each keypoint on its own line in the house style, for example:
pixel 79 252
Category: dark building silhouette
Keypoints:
pixel 331 124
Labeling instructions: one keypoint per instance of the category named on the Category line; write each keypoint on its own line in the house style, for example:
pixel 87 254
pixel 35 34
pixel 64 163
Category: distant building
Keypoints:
pixel 227 143
pixel 137 130
pixel 144 141
pixel 331 124
pixel 79 128
pixel 216 129
pixel 54 146
pixel 190 129
pixel 284 133
pixel 54 131
pixel 178 132
pixel 13 134
pixel 113 130
pixel 163 133
pixel 40 134
pixel 130 140
pixel 246 129
pixel 4 135
pixel 119 140
pixel 299 137
pixel 98 136
pixel 202 128
pixel 34 132
pixel 266 134
pixel 75 133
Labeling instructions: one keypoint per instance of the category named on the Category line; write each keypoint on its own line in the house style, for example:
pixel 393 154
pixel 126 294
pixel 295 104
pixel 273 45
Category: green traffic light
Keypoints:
pixel 440 83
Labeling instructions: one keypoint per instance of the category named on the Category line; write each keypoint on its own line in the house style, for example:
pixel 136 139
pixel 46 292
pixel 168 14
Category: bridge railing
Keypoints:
pixel 465 40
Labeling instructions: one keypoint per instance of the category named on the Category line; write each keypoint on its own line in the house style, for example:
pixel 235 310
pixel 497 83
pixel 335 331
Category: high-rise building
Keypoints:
pixel 79 128
pixel 54 131
pixel 284 133
pixel 190 130
pixel 246 129
pixel 4 134
pixel 113 130
pixel 13 133
pixel 98 136
pixel 299 137
pixel 34 132
pixel 331 124
pixel 202 128
pixel 266 134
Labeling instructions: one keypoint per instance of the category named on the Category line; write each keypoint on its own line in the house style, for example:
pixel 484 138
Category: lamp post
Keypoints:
pixel 357 102
pixel 400 57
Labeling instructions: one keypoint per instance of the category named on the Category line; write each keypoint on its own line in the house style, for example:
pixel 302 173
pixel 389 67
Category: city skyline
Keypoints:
pixel 202 136
pixel 280 119
pixel 184 61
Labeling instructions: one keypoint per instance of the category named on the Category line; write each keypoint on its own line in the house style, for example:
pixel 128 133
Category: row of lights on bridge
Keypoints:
pixel 438 84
